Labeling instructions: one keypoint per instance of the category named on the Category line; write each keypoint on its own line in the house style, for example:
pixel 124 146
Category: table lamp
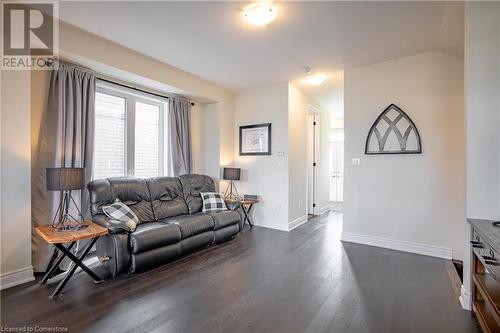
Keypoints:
pixel 231 174
pixel 66 180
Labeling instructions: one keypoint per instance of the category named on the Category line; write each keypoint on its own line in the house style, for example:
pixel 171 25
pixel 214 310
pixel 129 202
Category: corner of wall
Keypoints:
pixel 265 176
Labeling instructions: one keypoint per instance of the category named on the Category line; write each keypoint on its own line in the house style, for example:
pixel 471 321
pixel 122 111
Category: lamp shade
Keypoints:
pixel 231 174
pixel 65 179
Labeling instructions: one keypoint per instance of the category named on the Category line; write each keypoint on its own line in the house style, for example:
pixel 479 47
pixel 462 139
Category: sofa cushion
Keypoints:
pixel 192 185
pixel 225 218
pixel 191 225
pixel 133 192
pixel 152 235
pixel 167 197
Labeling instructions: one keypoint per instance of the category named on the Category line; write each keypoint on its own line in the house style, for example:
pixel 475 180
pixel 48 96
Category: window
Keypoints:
pixel 129 134
pixel 147 140
pixel 109 150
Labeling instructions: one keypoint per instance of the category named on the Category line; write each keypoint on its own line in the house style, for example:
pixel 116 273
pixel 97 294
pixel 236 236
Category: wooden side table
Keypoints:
pixel 58 238
pixel 246 206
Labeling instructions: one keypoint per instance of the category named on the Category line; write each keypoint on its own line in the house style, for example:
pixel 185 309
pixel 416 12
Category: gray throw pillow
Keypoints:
pixel 120 212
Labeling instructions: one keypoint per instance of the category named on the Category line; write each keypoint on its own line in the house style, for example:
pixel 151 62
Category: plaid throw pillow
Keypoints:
pixel 212 202
pixel 121 212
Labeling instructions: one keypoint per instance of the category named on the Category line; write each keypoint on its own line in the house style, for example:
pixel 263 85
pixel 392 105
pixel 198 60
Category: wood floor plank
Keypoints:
pixel 262 281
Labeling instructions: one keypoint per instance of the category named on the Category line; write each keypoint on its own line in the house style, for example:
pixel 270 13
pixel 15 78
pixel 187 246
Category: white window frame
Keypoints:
pixel 131 97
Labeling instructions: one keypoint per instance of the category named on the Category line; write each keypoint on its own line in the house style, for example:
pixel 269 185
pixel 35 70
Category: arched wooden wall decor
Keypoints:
pixel 393 133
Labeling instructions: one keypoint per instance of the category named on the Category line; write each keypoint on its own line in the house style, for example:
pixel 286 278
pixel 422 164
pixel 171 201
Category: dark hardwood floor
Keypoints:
pixel 262 281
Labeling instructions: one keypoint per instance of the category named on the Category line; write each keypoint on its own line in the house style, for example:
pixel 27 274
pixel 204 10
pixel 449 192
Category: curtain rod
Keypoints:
pixel 108 79
pixel 134 88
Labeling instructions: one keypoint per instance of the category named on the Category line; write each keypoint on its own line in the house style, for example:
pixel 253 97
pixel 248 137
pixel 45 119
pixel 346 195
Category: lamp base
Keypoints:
pixel 231 193
pixel 232 197
pixel 66 222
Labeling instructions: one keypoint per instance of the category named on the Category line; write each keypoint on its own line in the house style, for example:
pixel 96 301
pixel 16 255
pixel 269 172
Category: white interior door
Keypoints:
pixel 337 173
pixel 337 166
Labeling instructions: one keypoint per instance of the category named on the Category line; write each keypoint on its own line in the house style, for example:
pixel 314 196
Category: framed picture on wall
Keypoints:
pixel 255 139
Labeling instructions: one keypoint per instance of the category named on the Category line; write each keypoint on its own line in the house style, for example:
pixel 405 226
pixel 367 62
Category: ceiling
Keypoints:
pixel 213 41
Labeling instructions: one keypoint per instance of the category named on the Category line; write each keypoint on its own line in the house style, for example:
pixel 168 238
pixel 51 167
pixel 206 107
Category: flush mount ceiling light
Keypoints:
pixel 260 13
pixel 315 79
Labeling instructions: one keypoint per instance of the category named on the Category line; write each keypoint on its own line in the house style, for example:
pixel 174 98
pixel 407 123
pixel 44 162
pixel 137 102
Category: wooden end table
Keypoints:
pixel 58 238
pixel 246 206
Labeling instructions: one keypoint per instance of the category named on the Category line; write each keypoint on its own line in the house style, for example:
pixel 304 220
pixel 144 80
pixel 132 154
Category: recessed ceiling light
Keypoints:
pixel 315 80
pixel 260 13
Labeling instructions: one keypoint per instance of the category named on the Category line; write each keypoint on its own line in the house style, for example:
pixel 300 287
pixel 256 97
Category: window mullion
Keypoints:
pixel 130 136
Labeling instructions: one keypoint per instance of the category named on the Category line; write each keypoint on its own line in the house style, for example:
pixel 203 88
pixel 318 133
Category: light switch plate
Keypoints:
pixel 280 153
pixel 355 161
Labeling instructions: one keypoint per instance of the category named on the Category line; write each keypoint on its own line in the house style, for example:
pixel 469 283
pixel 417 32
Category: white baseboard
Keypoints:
pixel 270 226
pixel 418 248
pixel 15 278
pixel 465 299
pixel 324 209
pixel 297 222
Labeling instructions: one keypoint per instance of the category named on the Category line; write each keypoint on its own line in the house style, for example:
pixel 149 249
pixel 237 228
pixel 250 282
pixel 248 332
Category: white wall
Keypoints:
pixel 482 68
pixel 217 141
pixel 482 107
pixel 210 127
pixel 15 172
pixel 261 175
pixel 410 202
pixel 297 155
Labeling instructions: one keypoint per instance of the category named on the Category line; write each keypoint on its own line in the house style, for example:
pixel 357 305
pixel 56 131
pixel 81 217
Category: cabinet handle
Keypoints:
pixel 491 262
pixel 104 258
pixel 476 244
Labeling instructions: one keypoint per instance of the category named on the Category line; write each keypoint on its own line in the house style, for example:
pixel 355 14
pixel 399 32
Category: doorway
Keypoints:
pixel 313 158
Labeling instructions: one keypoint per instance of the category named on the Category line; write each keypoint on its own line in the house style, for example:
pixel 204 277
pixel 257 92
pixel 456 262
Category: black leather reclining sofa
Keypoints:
pixel 171 220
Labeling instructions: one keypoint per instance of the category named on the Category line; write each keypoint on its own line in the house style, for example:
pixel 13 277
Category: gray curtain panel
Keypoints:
pixel 66 140
pixel 180 135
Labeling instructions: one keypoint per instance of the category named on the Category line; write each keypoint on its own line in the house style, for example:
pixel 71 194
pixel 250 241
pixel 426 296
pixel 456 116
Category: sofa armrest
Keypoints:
pixel 113 226
pixel 235 206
